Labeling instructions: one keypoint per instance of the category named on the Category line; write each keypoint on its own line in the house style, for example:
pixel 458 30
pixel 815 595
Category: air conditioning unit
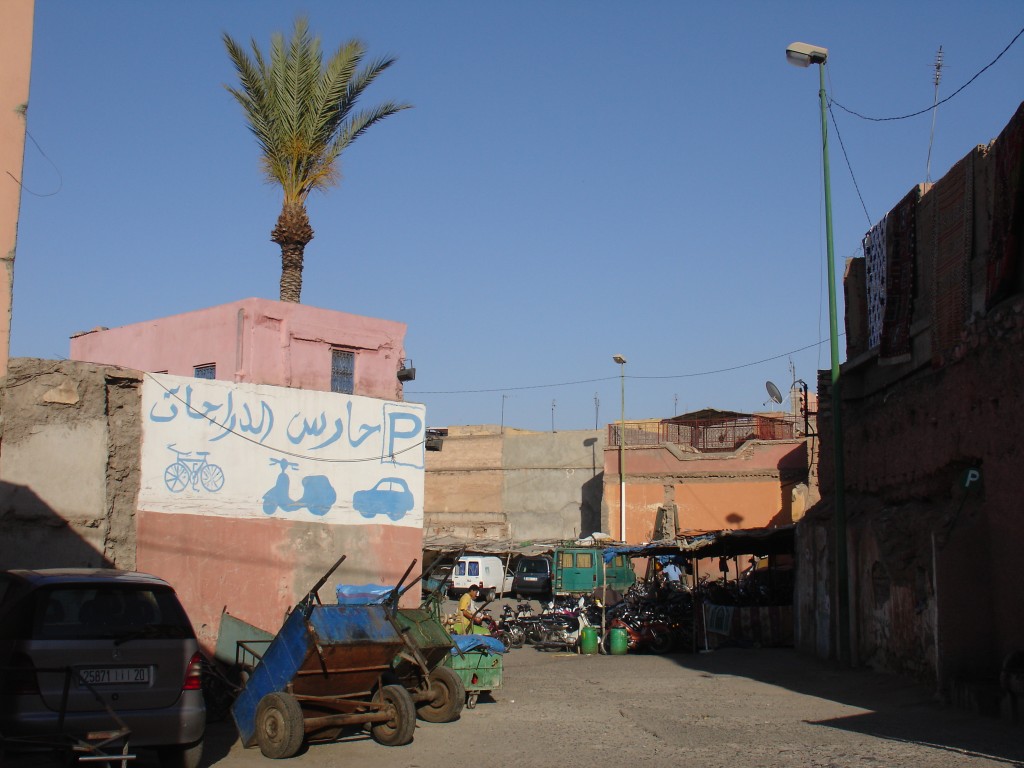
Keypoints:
pixel 406 372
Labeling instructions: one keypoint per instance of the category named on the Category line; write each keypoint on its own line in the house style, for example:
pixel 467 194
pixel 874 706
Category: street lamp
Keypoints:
pixel 803 55
pixel 622 441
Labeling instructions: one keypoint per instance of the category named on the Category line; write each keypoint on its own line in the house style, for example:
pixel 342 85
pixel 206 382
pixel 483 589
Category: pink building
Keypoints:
pixel 260 341
pixel 281 498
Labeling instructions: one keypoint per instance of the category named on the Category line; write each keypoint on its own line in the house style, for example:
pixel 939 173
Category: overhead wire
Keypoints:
pixel 695 374
pixel 60 177
pixel 273 449
pixel 936 104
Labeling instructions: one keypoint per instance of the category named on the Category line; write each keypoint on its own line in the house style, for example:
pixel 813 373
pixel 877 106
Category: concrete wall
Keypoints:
pixel 85 470
pixel 15 66
pixel 260 341
pixel 69 467
pixel 490 484
pixel 463 486
pixel 552 483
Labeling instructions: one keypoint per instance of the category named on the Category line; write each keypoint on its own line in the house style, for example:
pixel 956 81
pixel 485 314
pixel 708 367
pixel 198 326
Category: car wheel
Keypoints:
pixel 180 756
pixel 399 729
pixel 279 725
pixel 449 697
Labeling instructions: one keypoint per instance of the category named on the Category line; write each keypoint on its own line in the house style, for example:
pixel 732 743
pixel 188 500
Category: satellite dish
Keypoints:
pixel 773 392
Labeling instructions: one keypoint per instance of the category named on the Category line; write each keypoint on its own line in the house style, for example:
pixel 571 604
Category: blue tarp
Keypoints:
pixel 362 594
pixel 465 643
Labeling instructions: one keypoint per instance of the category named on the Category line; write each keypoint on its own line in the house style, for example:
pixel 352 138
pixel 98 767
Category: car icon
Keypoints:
pixel 390 496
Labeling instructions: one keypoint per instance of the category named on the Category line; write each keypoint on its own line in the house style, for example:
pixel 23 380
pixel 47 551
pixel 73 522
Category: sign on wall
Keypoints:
pixel 255 451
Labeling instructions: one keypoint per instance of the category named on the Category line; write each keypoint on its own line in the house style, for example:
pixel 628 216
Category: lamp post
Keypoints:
pixel 622 441
pixel 803 55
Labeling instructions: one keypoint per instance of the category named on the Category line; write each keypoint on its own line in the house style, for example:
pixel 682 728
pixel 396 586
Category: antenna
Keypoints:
pixel 773 392
pixel 935 108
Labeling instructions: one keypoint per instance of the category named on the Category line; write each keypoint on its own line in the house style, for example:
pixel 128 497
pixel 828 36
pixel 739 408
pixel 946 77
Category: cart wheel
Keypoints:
pixel 450 697
pixel 471 699
pixel 280 729
pixel 399 729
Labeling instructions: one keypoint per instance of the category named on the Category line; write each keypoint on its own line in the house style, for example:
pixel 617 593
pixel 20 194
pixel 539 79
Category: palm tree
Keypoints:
pixel 301 113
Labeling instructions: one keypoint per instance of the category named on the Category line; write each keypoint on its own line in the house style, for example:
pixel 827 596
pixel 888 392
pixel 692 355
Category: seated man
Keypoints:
pixel 468 621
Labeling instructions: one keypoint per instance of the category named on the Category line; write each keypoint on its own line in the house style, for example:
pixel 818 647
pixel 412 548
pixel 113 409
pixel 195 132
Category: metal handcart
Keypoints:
pixel 326 669
pixel 436 689
pixel 478 663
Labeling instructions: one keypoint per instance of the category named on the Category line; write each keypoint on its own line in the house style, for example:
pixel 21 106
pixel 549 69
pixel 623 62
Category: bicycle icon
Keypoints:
pixel 196 470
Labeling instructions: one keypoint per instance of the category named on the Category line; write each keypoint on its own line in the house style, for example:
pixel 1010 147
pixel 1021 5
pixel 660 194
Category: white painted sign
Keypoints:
pixel 255 451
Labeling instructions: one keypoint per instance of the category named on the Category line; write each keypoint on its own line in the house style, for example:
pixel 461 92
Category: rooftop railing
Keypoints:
pixel 713 435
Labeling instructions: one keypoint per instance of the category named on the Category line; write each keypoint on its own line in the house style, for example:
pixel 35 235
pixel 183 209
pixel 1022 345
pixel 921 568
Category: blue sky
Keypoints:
pixel 576 180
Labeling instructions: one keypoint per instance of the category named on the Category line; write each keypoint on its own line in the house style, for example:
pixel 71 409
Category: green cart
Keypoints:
pixel 479 668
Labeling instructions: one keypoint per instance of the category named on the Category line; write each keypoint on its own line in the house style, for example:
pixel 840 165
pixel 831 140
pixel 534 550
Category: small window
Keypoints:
pixel 343 371
pixel 460 569
pixel 474 568
pixel 584 560
pixel 566 559
pixel 206 371
pixel 620 561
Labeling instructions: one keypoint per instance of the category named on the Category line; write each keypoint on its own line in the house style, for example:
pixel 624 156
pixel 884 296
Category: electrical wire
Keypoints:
pixel 282 451
pixel 60 177
pixel 616 378
pixel 848 166
pixel 936 104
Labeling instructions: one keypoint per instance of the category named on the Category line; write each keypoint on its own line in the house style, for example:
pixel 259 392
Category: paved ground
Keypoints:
pixel 732 707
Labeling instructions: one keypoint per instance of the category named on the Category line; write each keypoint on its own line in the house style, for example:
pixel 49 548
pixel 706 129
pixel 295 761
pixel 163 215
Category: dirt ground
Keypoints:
pixel 730 707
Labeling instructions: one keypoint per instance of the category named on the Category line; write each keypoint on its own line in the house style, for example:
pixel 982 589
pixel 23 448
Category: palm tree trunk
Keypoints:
pixel 292 233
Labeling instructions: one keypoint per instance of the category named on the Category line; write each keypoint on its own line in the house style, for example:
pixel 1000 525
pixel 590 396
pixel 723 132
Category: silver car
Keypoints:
pixel 103 656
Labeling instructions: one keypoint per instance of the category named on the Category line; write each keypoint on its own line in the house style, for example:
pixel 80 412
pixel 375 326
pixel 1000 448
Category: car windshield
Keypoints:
pixel 533 566
pixel 82 612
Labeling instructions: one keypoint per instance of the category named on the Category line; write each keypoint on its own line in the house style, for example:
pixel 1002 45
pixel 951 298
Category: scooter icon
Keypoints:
pixel 317 493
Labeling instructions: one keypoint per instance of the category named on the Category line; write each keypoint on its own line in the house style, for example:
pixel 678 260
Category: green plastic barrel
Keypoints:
pixel 588 641
pixel 618 641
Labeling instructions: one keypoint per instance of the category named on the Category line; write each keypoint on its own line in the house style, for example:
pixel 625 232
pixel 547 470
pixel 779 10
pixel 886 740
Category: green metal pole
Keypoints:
pixel 842 564
pixel 622 465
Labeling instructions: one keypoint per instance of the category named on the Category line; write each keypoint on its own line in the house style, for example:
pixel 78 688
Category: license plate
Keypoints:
pixel 530 578
pixel 113 676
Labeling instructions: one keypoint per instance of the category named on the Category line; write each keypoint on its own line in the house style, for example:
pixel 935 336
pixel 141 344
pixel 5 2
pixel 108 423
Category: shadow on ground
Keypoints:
pixel 895 708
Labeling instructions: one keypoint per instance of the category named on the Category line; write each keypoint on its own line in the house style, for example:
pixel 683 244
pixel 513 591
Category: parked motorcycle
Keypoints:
pixel 644 632
pixel 509 624
pixel 563 625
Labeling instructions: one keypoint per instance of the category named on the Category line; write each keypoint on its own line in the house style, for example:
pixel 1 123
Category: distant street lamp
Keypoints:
pixel 622 441
pixel 803 55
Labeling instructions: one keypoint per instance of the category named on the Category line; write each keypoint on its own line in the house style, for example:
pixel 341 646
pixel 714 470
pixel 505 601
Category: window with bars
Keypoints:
pixel 206 371
pixel 343 368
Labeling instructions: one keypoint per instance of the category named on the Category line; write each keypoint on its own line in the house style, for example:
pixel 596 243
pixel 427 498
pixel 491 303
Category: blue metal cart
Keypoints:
pixel 328 668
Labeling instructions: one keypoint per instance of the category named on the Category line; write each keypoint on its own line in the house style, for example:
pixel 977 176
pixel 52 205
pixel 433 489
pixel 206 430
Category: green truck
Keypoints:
pixel 581 570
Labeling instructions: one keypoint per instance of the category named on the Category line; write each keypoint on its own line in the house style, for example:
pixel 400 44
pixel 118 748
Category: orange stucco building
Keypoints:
pixel 707 471
pixel 15 66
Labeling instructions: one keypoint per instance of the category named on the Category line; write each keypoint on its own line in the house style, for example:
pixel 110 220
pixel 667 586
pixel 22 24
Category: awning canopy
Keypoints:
pixel 727 543
pixel 451 544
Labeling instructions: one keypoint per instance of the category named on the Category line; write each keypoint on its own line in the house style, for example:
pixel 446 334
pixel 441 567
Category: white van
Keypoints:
pixel 486 570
